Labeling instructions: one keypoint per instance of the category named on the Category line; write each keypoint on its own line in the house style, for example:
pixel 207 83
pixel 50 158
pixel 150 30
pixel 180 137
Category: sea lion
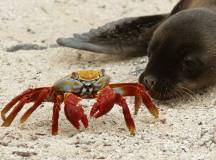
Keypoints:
pixel 181 46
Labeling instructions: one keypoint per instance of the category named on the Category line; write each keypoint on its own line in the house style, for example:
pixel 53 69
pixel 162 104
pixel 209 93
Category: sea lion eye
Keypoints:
pixel 188 62
pixel 191 65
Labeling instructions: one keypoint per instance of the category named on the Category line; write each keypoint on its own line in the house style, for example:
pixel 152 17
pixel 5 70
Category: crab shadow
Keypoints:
pixel 40 123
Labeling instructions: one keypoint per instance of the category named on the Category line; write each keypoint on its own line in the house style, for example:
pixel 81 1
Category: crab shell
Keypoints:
pixel 83 83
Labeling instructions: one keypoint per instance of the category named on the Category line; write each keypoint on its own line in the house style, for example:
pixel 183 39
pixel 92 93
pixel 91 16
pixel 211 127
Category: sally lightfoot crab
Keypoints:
pixel 71 90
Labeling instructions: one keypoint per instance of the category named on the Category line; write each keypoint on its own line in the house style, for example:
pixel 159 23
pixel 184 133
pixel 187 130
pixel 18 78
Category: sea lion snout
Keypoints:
pixel 159 88
pixel 149 81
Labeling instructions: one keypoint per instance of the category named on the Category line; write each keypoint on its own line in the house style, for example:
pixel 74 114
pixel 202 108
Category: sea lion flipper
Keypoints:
pixel 129 36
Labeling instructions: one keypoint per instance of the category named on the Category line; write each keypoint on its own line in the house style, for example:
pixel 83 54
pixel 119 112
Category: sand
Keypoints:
pixel 185 130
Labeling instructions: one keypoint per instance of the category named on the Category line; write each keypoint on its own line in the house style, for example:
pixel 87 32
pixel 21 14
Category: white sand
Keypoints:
pixel 189 131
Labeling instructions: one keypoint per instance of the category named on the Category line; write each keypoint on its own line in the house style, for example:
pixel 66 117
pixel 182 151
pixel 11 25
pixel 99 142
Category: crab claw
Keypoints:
pixel 74 111
pixel 105 102
pixel 106 99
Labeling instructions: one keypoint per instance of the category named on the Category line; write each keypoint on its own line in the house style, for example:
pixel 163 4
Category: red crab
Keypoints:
pixel 71 89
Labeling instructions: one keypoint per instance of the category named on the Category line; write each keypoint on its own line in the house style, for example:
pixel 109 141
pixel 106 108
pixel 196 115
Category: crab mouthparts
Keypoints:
pixel 87 90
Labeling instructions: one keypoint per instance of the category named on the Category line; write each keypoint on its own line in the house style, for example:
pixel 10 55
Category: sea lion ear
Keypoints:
pixel 128 36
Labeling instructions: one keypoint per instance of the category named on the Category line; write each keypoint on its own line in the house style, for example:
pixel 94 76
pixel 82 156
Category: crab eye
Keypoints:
pixel 102 72
pixel 74 75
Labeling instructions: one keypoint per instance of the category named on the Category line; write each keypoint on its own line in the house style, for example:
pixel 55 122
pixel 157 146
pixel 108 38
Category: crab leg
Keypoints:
pixel 13 102
pixel 136 89
pixel 126 112
pixel 138 101
pixel 27 97
pixel 74 111
pixel 14 112
pixel 55 117
pixel 31 93
pixel 106 99
pixel 43 94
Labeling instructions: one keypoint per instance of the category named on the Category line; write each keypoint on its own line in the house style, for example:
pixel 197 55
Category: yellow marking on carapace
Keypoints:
pixel 89 75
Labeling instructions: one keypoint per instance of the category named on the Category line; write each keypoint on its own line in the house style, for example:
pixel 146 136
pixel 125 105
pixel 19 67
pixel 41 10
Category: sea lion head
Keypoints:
pixel 182 54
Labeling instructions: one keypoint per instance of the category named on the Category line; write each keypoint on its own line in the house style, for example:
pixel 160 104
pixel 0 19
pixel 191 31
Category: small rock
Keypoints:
pixel 4 143
pixel 24 154
pixel 30 31
pixel 34 138
pixel 22 145
pixel 101 157
pixel 107 144
pixel 200 123
pixel 163 121
pixel 102 6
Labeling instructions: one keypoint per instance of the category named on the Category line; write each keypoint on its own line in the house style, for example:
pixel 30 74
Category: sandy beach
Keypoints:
pixel 186 129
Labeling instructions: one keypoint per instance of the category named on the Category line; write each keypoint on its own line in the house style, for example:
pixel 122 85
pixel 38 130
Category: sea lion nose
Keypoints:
pixel 149 81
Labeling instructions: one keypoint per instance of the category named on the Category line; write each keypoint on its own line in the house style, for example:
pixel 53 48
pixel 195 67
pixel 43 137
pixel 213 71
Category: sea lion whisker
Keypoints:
pixel 187 89
pixel 179 93
pixel 165 92
pixel 188 93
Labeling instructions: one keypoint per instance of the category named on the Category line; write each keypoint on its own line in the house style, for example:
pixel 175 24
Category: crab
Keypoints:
pixel 70 90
